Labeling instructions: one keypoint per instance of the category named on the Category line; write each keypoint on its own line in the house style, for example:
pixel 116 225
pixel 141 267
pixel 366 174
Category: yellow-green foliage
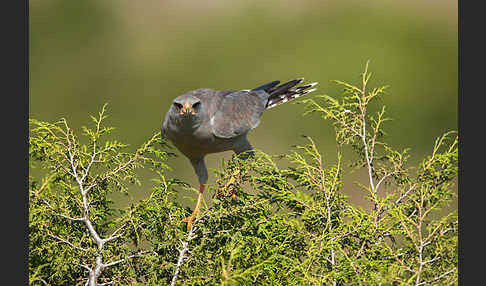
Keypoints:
pixel 288 225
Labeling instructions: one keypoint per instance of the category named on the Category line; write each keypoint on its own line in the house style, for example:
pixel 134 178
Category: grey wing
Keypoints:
pixel 238 113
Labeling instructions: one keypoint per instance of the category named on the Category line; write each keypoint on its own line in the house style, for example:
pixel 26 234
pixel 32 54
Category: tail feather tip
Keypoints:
pixel 310 90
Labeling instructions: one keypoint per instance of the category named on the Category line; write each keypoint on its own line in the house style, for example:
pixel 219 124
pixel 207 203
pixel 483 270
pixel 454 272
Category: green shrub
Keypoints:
pixel 287 225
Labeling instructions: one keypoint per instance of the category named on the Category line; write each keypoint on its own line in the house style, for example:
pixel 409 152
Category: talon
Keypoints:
pixel 230 182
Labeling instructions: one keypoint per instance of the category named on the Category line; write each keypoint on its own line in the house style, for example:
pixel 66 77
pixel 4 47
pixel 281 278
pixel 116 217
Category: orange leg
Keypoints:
pixel 197 209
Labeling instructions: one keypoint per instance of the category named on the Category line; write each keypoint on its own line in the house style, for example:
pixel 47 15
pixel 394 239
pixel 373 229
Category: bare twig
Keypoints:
pixel 386 176
pixel 67 242
pixel 183 250
pixel 123 259
pixel 114 235
pixel 62 215
pixel 405 194
pixel 398 201
pixel 85 267
pixel 366 148
pixel 437 278
pixel 120 168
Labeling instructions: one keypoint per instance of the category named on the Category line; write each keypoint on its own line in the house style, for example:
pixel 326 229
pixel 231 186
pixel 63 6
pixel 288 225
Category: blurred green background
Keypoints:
pixel 139 55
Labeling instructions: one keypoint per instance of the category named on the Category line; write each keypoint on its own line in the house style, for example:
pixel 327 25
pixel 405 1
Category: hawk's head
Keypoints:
pixel 187 110
pixel 186 106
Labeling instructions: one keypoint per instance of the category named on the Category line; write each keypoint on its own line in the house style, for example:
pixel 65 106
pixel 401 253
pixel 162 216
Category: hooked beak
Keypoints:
pixel 187 109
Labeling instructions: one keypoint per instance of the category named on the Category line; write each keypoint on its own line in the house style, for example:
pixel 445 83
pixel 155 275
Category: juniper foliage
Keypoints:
pixel 287 226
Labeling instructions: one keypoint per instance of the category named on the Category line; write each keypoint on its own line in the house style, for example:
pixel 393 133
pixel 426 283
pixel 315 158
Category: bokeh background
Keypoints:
pixel 138 55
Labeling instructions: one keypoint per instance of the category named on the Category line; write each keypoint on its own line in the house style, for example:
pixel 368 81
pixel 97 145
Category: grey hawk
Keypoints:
pixel 205 121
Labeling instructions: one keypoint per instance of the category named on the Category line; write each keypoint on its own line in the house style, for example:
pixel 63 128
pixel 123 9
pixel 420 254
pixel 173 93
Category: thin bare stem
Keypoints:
pixel 183 250
pixel 67 242
pixel 436 278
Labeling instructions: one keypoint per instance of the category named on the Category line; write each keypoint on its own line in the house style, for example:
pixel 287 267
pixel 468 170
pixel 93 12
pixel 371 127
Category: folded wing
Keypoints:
pixel 238 113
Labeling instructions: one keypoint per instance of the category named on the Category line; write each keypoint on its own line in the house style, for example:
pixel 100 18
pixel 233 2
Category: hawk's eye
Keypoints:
pixel 178 105
pixel 196 105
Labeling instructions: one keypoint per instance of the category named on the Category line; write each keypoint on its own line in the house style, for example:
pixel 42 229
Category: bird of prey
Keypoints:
pixel 205 121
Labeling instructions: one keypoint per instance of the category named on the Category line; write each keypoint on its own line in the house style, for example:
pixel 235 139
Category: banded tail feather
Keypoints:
pixel 285 92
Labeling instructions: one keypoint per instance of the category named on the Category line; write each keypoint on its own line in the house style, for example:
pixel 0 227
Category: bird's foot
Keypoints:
pixel 221 195
pixel 230 182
